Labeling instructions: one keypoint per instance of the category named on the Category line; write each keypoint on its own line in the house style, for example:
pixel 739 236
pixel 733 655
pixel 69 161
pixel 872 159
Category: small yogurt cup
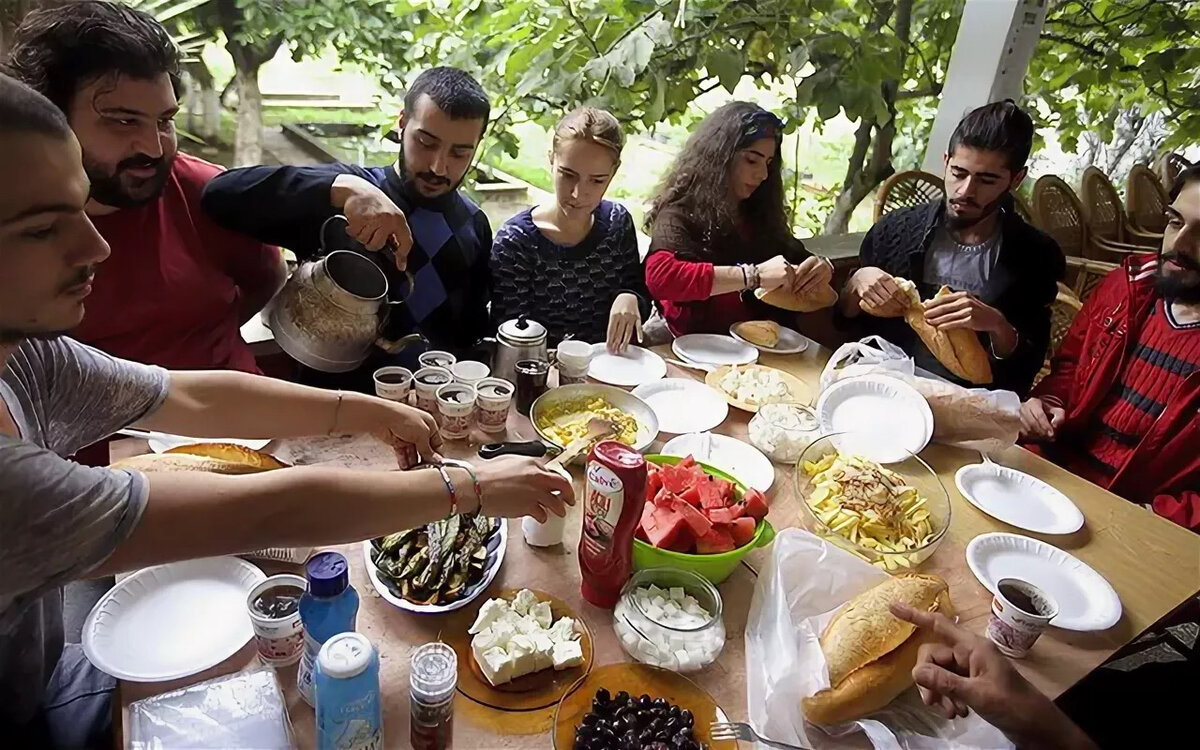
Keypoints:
pixel 456 402
pixel 280 640
pixel 427 392
pixel 494 398
pixel 397 391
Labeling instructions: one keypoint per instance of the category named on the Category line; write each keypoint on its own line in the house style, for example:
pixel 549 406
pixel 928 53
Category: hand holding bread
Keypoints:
pixel 805 287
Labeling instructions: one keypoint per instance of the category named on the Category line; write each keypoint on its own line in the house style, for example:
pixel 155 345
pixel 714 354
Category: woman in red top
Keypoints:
pixel 719 228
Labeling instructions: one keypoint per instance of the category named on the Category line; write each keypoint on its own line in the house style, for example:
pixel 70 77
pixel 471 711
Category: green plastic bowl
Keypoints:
pixel 716 568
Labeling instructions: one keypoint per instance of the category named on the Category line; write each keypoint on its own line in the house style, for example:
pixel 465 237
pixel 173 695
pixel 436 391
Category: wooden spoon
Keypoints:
pixel 598 429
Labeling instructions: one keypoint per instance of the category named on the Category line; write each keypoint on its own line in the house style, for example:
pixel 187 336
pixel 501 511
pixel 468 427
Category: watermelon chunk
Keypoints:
pixel 675 479
pixel 692 495
pixel 653 483
pixel 683 543
pixel 756 504
pixel 742 530
pixel 717 540
pixel 688 462
pixel 665 527
pixel 727 515
pixel 663 498
pixel 696 521
pixel 725 487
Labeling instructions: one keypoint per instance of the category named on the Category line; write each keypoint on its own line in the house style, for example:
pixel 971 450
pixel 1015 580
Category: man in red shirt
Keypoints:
pixel 177 287
pixel 1121 405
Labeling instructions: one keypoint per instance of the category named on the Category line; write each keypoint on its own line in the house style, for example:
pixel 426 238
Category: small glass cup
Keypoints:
pixel 647 639
pixel 531 383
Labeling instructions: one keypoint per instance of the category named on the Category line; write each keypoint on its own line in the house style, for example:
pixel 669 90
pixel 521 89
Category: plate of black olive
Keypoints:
pixel 636 707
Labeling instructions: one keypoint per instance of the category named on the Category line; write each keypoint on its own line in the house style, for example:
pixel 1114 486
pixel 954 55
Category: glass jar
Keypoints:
pixel 783 431
pixel 644 623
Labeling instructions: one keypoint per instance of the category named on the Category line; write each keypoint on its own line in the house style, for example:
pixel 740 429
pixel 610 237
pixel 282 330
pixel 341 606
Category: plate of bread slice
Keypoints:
pixel 768 337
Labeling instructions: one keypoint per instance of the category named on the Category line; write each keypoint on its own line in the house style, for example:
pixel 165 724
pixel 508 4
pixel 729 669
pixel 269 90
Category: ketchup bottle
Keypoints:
pixel 612 507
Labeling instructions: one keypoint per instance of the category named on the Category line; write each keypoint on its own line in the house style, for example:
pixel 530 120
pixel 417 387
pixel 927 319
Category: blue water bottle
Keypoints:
pixel 329 607
pixel 349 714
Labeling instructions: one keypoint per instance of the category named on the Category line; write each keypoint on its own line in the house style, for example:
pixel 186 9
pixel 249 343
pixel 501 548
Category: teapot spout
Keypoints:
pixel 400 344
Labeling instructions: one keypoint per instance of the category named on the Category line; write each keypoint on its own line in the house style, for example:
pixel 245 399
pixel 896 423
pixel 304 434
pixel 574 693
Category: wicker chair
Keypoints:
pixel 1083 276
pixel 907 189
pixel 1022 208
pixel 1058 213
pixel 1169 165
pixel 1062 314
pixel 1111 236
pixel 1145 200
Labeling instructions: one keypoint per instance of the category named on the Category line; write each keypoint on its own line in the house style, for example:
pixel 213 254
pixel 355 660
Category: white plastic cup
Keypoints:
pixel 1020 612
pixel 552 531
pixel 494 398
pixel 427 392
pixel 393 391
pixel 280 641
pixel 572 359
pixel 469 372
pixel 435 358
pixel 456 402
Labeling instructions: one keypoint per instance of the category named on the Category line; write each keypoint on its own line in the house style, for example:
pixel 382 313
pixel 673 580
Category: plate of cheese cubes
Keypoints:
pixel 521 651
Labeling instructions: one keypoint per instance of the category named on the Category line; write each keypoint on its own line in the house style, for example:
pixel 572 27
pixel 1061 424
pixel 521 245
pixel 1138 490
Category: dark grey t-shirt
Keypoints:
pixel 963 268
pixel 58 519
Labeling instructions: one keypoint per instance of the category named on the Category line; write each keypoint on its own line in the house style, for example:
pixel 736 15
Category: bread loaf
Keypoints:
pixel 959 350
pixel 214 458
pixel 783 298
pixel 759 332
pixel 869 652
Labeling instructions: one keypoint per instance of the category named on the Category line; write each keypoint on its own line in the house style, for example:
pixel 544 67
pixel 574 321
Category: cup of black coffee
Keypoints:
pixel 393 383
pixel 1020 612
pixel 427 380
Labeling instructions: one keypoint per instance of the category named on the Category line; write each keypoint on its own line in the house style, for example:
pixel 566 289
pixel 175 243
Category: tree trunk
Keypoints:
pixel 247 147
pixel 208 100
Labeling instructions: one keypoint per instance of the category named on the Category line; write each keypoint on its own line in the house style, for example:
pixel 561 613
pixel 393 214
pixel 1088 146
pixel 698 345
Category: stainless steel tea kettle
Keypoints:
pixel 516 340
pixel 332 310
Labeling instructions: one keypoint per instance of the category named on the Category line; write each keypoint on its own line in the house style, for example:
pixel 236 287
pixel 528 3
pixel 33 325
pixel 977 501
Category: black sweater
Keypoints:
pixel 1022 286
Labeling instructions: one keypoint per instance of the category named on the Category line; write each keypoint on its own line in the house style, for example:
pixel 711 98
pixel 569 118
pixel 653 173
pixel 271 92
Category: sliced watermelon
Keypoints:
pixel 688 462
pixel 684 543
pixel 696 521
pixel 727 515
pixel 663 498
pixel 692 495
pixel 653 483
pixel 717 540
pixel 675 479
pixel 665 527
pixel 755 503
pixel 725 487
pixel 742 530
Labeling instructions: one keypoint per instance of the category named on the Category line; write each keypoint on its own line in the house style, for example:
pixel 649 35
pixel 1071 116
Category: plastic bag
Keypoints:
pixel 795 598
pixel 245 709
pixel 873 354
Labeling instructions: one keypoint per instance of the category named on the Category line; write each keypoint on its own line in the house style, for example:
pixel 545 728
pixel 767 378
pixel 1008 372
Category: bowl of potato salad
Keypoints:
pixel 892 515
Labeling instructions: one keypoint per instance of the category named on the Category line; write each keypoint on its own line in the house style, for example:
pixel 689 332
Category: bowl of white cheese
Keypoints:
pixel 670 618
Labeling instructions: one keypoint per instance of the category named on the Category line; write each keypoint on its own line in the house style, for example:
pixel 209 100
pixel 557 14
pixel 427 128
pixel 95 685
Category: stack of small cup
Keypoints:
pixel 452 392
pixel 572 359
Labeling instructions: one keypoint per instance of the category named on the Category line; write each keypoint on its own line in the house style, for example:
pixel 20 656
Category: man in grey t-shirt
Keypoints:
pixel 60 521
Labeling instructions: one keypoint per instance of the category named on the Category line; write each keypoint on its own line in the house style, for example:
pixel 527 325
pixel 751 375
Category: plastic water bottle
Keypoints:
pixel 349 715
pixel 329 607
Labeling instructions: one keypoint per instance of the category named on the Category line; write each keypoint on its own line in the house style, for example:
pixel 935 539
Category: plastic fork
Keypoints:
pixel 737 730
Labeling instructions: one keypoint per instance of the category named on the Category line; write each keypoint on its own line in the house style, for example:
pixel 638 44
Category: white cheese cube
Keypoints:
pixel 567 655
pixel 671 608
pixel 541 613
pixel 654 612
pixel 524 601
pixel 496 666
pixel 646 651
pixel 654 591
pixel 685 660
pixel 527 625
pixel 629 638
pixel 564 630
pixel 543 651
pixel 491 611
pixel 502 631
pixel 677 593
pixel 658 601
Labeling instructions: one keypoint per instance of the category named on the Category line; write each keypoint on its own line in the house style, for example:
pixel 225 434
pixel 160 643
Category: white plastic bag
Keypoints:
pixel 873 354
pixel 794 599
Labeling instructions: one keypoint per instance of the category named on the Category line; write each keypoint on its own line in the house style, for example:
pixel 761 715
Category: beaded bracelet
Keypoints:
pixel 449 488
pixel 471 472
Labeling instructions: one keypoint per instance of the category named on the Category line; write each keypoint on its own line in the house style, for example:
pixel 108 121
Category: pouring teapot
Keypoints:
pixel 332 310
pixel 516 340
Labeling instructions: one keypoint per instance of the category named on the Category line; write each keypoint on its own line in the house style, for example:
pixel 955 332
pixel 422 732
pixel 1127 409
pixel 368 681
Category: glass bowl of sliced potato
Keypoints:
pixel 893 515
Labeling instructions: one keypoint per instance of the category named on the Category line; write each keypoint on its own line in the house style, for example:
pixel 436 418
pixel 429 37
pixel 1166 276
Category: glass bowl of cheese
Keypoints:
pixel 893 515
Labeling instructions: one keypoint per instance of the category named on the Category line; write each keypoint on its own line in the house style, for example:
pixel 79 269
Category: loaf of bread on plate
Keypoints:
pixel 214 458
pixel 759 332
pixel 870 653
pixel 783 298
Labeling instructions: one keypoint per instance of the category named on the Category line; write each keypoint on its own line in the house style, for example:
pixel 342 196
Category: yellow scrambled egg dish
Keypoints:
pixel 568 421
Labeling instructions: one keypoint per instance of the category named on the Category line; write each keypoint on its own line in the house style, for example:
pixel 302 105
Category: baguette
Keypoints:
pixel 959 350
pixel 869 652
pixel 214 458
pixel 759 332
pixel 823 297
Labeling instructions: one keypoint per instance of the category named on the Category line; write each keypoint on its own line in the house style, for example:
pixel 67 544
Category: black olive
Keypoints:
pixel 629 720
pixel 656 726
pixel 644 701
pixel 591 719
pixel 645 736
pixel 688 719
pixel 605 733
pixel 673 725
pixel 679 743
pixel 661 703
pixel 685 732
pixel 603 695
pixel 622 697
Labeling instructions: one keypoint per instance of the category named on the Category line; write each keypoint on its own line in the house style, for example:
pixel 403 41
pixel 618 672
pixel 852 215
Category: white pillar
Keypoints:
pixel 995 42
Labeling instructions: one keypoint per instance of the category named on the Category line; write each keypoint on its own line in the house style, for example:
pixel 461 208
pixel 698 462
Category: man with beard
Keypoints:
pixel 178 287
pixel 1119 407
pixel 414 205
pixel 1003 272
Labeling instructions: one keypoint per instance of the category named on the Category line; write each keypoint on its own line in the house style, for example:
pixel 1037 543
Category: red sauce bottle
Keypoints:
pixel 614 496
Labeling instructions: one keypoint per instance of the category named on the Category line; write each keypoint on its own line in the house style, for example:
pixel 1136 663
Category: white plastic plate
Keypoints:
pixel 713 349
pixel 1086 601
pixel 741 461
pixel 172 621
pixel 888 417
pixel 790 342
pixel 683 405
pixel 1018 499
pixel 632 368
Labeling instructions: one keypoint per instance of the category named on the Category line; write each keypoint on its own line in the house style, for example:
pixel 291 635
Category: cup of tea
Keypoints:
pixel 456 402
pixel 572 359
pixel 531 383
pixel 494 398
pixel 1020 612
pixel 436 358
pixel 274 607
pixel 469 372
pixel 393 383
pixel 426 381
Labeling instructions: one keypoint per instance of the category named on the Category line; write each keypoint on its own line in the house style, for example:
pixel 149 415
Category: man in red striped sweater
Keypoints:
pixel 1120 405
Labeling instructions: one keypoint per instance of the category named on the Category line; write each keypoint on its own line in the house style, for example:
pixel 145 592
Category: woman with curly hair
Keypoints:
pixel 719 229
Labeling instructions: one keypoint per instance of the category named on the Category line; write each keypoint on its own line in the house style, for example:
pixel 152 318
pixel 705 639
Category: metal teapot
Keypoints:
pixel 332 310
pixel 516 340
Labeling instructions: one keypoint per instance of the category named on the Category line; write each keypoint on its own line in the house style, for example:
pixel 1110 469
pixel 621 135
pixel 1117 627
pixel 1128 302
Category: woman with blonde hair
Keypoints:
pixel 573 265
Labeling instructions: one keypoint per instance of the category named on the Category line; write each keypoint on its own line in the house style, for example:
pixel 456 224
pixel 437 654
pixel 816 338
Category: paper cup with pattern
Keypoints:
pixel 437 358
pixel 456 402
pixel 572 359
pixel 274 607
pixel 427 381
pixel 1020 612
pixel 393 383
pixel 494 398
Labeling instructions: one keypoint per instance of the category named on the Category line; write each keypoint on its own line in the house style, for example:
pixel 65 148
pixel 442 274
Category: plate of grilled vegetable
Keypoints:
pixel 440 567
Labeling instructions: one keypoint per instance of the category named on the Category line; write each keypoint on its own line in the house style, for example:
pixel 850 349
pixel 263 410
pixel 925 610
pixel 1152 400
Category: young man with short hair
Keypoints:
pixel 177 287
pixel 1002 271
pixel 415 204
pixel 1120 405
pixel 60 521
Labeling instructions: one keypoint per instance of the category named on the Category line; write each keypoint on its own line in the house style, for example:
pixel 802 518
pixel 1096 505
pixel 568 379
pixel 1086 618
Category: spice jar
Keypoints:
pixel 433 677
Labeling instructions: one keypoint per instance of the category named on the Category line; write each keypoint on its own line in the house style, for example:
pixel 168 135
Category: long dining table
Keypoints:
pixel 1151 563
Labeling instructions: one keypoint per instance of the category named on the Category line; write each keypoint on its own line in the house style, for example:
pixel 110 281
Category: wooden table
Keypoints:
pixel 1152 564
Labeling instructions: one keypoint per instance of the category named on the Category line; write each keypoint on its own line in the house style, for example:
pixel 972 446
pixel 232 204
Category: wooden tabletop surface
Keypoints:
pixel 1152 563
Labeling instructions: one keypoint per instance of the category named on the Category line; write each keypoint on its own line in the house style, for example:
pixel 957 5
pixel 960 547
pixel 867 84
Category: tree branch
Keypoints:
pixel 934 90
pixel 582 28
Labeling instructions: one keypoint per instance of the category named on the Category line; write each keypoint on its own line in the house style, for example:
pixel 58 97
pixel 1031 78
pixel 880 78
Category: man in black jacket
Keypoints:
pixel 1003 272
